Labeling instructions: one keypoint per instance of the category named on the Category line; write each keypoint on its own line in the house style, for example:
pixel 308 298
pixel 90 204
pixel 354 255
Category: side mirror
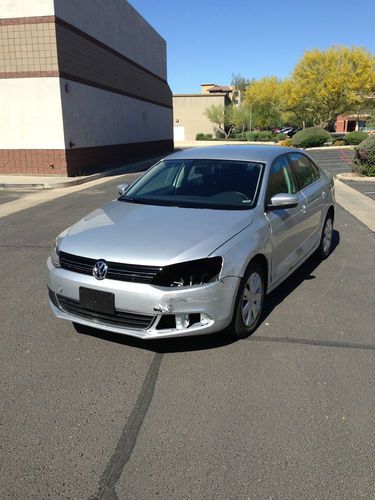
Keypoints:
pixel 283 200
pixel 122 188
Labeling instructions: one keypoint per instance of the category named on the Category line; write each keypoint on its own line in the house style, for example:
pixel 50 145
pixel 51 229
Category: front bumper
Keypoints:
pixel 214 302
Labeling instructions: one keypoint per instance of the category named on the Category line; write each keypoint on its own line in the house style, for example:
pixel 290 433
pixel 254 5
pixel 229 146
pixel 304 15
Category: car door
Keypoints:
pixel 288 225
pixel 312 186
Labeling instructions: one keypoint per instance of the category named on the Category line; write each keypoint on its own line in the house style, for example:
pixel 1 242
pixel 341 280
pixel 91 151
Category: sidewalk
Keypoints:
pixel 36 182
pixel 356 203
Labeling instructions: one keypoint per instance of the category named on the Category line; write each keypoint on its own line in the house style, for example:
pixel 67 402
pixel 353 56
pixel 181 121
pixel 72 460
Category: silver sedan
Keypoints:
pixel 195 244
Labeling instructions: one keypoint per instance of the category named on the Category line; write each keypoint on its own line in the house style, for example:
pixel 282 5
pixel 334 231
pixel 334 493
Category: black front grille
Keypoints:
pixel 116 271
pixel 120 318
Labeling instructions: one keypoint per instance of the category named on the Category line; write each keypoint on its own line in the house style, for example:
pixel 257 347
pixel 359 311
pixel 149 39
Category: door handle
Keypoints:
pixel 324 194
pixel 303 209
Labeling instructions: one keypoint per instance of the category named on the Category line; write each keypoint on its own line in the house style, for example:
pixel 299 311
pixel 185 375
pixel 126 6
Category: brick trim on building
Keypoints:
pixel 17 21
pixel 33 162
pixel 29 74
pixel 76 161
pixel 60 50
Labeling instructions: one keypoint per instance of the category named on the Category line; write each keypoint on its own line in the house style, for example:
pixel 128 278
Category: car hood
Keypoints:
pixel 152 235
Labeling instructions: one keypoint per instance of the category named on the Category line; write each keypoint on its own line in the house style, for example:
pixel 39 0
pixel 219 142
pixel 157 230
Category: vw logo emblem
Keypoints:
pixel 100 270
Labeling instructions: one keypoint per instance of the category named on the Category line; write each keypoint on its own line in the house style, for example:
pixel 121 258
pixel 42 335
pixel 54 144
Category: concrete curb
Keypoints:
pixel 202 144
pixel 50 185
pixel 325 148
pixel 124 169
pixel 348 176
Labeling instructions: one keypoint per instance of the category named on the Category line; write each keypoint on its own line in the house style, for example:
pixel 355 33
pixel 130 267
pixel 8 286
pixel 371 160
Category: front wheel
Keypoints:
pixel 326 240
pixel 249 303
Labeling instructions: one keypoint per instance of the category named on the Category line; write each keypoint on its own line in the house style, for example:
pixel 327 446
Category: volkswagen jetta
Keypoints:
pixel 195 244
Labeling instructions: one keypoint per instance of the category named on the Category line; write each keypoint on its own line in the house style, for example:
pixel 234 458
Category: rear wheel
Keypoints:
pixel 249 303
pixel 326 240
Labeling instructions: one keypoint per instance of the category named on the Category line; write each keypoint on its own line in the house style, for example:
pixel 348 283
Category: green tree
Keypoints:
pixel 239 117
pixel 327 83
pixel 220 116
pixel 239 82
pixel 264 98
pixel 295 111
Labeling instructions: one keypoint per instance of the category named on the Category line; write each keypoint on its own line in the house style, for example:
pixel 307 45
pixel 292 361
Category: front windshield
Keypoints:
pixel 216 184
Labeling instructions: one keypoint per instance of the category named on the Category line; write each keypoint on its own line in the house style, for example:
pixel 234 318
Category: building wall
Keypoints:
pixel 84 59
pixel 95 117
pixel 341 123
pixel 117 24
pixel 93 77
pixel 31 122
pixel 26 8
pixel 189 112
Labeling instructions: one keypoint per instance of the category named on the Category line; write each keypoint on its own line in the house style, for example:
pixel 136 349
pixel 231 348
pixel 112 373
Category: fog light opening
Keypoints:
pixel 182 321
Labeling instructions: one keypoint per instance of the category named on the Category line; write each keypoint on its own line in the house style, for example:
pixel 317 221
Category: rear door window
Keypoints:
pixel 304 170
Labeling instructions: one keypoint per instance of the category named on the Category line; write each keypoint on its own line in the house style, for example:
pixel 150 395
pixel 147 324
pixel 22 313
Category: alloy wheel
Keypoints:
pixel 327 235
pixel 252 299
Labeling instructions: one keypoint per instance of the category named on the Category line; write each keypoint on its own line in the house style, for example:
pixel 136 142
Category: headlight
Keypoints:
pixel 194 272
pixel 55 253
pixel 55 250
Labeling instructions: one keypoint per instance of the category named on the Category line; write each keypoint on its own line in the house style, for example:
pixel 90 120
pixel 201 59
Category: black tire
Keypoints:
pixel 326 240
pixel 239 329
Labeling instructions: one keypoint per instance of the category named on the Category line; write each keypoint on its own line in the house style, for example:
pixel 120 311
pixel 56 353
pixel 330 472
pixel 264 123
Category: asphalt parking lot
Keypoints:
pixel 367 188
pixel 286 414
pixel 335 161
pixel 10 195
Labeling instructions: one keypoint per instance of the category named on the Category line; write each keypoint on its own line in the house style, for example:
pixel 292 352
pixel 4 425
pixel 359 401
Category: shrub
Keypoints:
pixel 286 142
pixel 240 136
pixel 311 137
pixel 258 135
pixel 203 137
pixel 339 142
pixel 355 138
pixel 364 157
pixel 280 137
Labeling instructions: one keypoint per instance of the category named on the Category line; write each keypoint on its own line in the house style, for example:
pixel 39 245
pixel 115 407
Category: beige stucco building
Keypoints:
pixel 189 118
pixel 189 110
pixel 83 85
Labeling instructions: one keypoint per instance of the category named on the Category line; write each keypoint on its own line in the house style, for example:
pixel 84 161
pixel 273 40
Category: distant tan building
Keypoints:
pixel 232 93
pixel 189 118
pixel 189 110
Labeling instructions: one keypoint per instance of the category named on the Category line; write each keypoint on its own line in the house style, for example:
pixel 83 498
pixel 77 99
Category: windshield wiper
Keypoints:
pixel 133 200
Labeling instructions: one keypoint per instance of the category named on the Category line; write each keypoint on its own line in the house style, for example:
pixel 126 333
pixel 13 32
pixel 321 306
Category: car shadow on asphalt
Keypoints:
pixel 161 346
pixel 303 273
pixel 215 340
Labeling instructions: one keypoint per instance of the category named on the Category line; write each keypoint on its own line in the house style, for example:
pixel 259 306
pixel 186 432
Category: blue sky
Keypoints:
pixel 210 40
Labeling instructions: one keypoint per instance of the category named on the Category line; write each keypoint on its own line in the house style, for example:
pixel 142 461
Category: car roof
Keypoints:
pixel 263 153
